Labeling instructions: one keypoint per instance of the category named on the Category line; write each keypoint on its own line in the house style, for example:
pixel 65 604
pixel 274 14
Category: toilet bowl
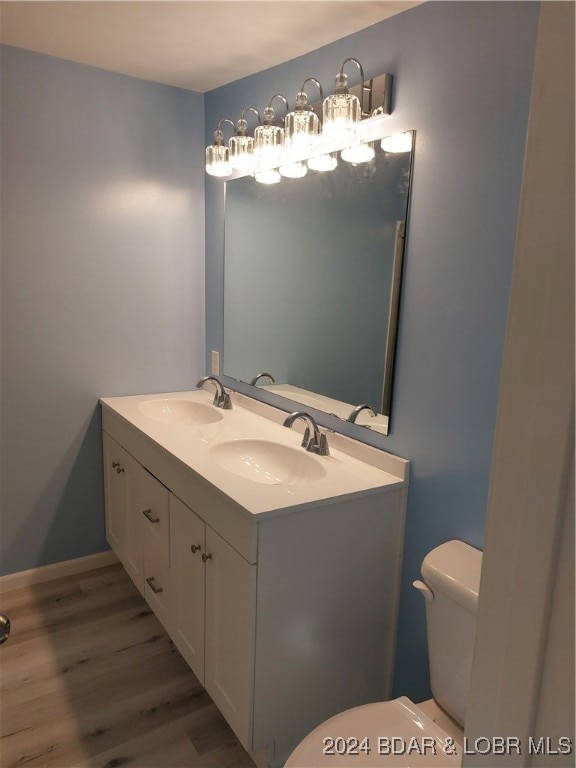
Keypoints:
pixel 399 732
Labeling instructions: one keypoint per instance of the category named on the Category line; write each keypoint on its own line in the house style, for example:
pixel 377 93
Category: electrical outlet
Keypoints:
pixel 215 363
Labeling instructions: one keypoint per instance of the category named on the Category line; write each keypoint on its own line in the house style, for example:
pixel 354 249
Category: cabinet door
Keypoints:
pixel 133 559
pixel 115 494
pixel 230 600
pixel 187 584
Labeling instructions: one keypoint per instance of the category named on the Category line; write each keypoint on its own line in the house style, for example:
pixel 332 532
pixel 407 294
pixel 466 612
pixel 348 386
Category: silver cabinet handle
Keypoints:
pixel 149 515
pixel 195 548
pixel 153 587
pixel 206 557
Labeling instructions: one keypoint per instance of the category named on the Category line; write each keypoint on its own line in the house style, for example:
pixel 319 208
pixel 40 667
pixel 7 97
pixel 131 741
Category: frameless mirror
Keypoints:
pixel 312 276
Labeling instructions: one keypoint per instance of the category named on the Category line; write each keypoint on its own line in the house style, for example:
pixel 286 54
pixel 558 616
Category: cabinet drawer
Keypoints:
pixel 150 506
pixel 157 578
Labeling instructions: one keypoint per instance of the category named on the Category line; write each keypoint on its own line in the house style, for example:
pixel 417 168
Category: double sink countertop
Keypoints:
pixel 246 454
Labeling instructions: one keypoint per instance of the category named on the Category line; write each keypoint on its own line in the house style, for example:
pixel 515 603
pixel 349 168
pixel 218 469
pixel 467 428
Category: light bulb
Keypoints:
pixel 270 176
pixel 358 153
pixel 323 162
pixel 399 142
pixel 293 170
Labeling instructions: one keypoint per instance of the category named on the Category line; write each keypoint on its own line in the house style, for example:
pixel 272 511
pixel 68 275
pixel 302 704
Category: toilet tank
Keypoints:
pixel 452 572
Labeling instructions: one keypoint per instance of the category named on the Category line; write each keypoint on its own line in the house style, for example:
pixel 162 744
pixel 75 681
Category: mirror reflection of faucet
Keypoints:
pixel 221 397
pixel 359 408
pixel 318 442
pixel 262 375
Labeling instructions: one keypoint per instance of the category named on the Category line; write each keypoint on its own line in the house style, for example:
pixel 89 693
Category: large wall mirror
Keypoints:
pixel 312 277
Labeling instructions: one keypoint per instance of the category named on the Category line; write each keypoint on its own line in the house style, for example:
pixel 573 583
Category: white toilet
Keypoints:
pixel 400 733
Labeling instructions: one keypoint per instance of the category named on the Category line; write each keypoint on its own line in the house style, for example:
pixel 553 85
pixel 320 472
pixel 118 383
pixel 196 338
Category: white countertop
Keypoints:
pixel 191 444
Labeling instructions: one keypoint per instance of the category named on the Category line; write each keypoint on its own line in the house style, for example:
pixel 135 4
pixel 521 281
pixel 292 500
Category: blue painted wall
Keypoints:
pixel 463 74
pixel 102 282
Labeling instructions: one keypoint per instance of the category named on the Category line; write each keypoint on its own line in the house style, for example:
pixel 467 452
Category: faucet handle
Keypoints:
pixel 318 443
pixel 322 445
pixel 223 400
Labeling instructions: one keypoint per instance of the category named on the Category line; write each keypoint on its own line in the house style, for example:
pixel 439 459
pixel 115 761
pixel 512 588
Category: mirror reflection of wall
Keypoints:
pixel 308 277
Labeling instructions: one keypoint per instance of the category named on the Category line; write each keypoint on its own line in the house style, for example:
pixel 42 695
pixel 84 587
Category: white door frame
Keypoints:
pixel 534 440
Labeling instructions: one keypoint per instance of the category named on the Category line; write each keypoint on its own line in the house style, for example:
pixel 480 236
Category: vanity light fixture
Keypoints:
pixel 217 154
pixel 302 125
pixel 275 149
pixel 358 153
pixel 269 137
pixel 242 145
pixel 342 111
pixel 323 162
pixel 399 142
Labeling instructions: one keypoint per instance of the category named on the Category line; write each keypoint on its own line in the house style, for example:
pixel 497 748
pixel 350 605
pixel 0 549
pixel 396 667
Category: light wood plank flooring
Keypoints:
pixel 90 678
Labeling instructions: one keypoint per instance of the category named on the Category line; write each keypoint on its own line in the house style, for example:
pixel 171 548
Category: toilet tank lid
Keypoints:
pixel 454 569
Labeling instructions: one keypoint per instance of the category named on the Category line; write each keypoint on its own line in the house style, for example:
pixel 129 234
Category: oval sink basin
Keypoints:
pixel 266 462
pixel 175 411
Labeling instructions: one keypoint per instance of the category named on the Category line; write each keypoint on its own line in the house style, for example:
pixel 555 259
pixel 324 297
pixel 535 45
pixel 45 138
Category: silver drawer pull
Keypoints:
pixel 195 548
pixel 206 557
pixel 149 515
pixel 153 587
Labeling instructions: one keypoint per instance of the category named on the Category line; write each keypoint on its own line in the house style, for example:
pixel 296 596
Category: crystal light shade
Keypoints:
pixel 302 129
pixel 268 144
pixel 242 152
pixel 303 125
pixel 323 162
pixel 358 153
pixel 218 160
pixel 217 155
pixel 342 113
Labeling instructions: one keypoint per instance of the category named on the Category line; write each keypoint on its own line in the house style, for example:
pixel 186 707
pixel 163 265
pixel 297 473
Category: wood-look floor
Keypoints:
pixel 90 678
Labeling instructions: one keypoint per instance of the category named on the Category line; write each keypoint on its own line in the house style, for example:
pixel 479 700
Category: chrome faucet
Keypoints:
pixel 315 443
pixel 261 376
pixel 221 397
pixel 358 409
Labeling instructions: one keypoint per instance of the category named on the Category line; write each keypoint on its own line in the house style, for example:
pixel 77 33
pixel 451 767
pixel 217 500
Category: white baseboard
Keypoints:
pixel 56 571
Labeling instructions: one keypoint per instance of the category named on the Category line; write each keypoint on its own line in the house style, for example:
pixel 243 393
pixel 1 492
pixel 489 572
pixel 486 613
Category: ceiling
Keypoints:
pixel 193 44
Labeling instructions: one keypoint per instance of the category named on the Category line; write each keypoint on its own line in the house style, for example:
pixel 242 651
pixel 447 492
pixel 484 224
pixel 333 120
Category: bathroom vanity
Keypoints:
pixel 274 571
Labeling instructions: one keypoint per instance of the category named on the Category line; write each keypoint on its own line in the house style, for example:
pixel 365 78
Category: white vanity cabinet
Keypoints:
pixel 286 614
